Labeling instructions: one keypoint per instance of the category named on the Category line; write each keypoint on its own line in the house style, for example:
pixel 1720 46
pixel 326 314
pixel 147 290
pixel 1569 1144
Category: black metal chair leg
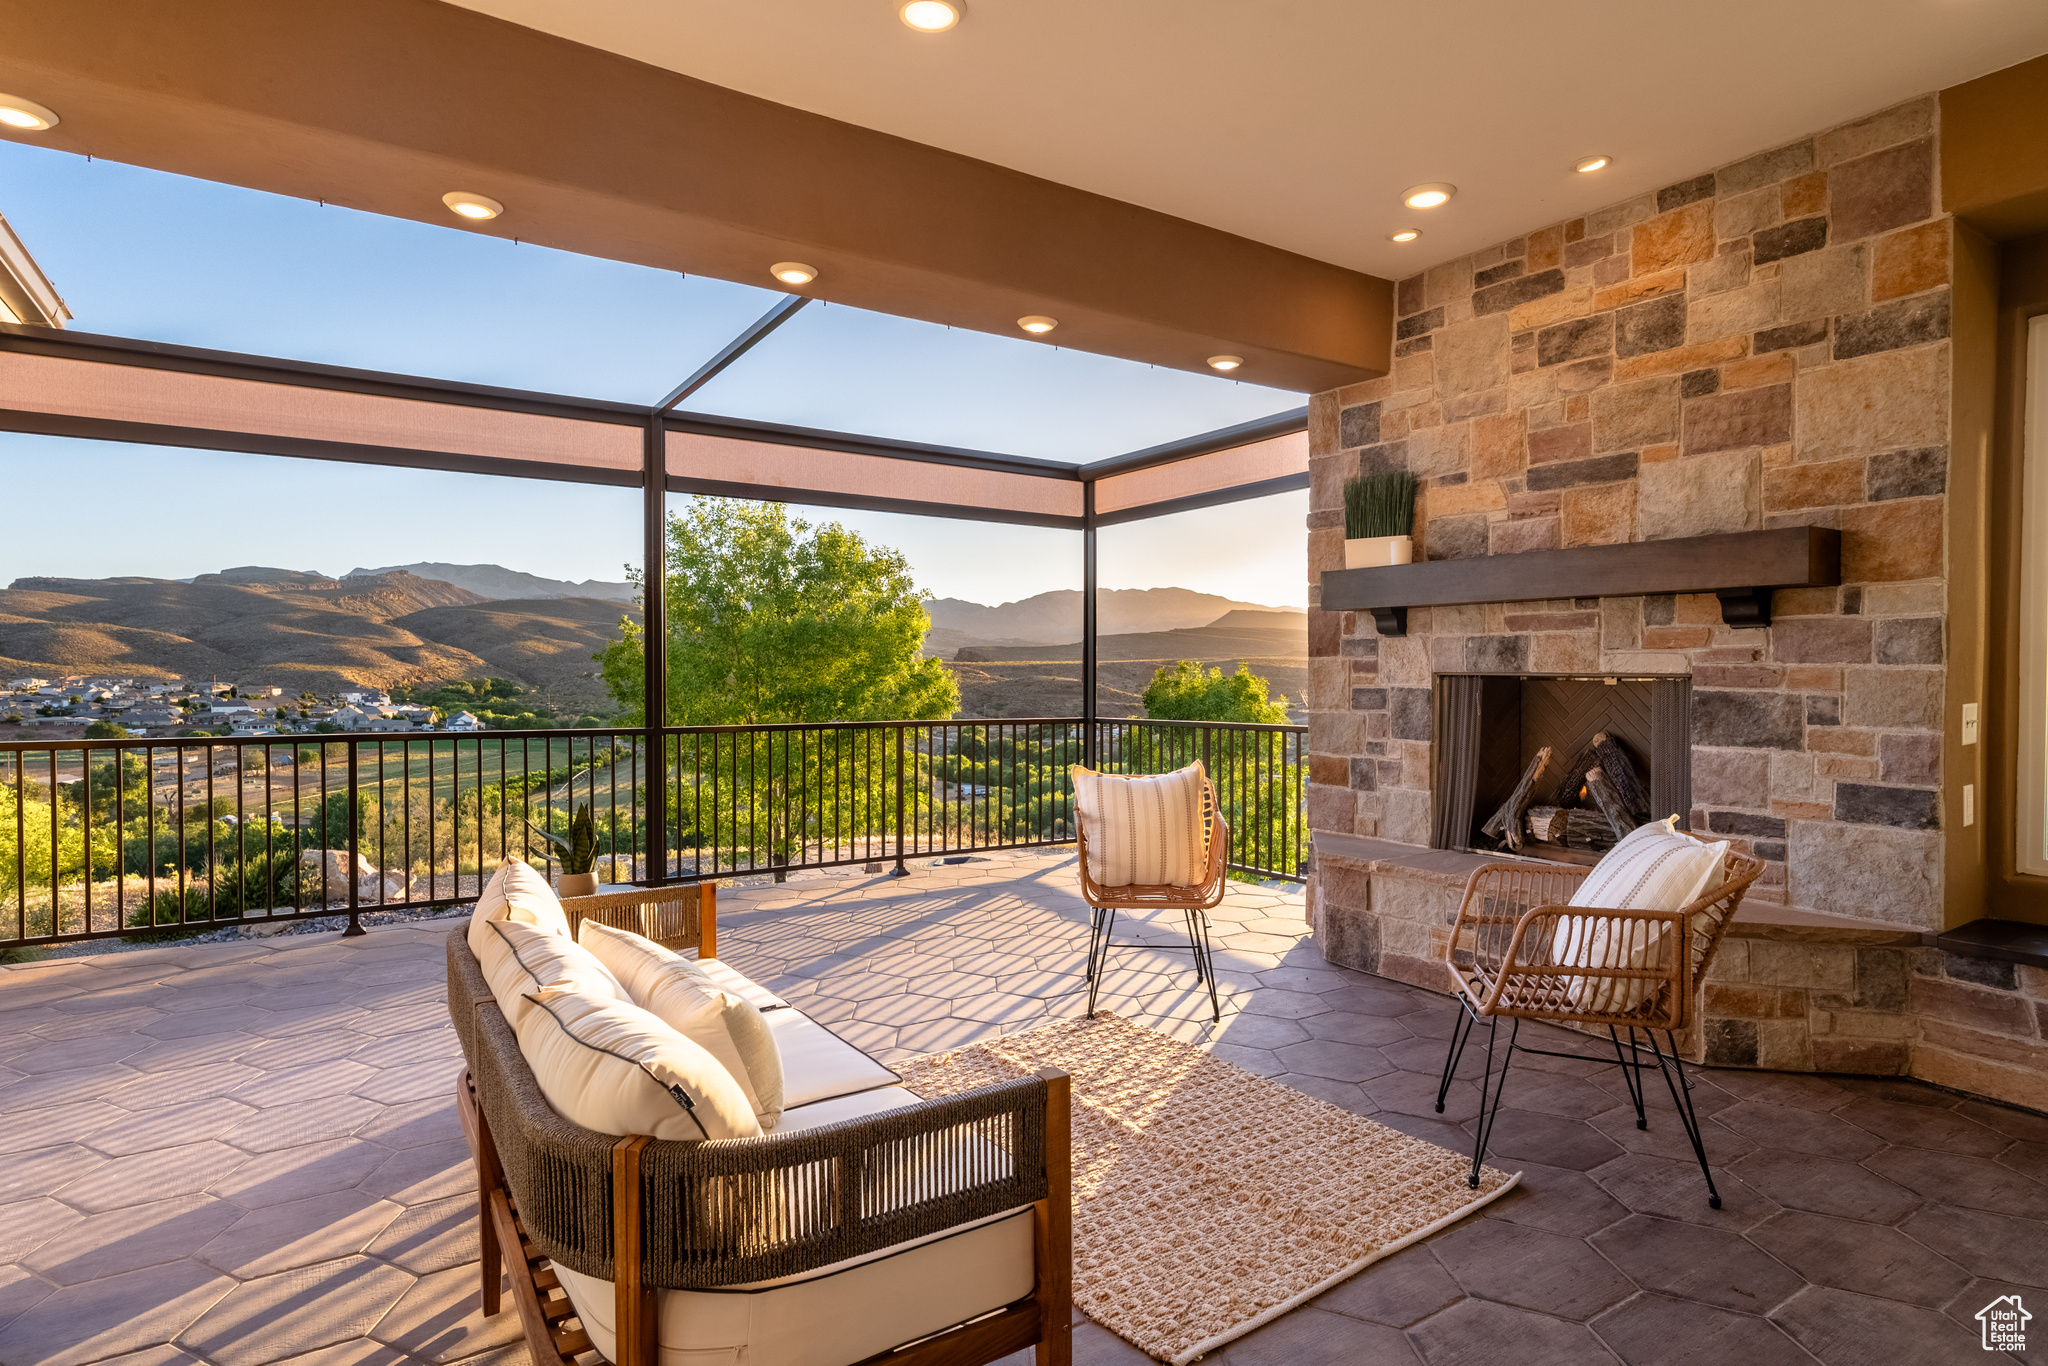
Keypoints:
pixel 1198 941
pixel 1681 1097
pixel 1630 1076
pixel 1500 1086
pixel 1098 954
pixel 1460 1032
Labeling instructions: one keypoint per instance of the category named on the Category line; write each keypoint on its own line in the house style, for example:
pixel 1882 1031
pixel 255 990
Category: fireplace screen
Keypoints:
pixel 1557 768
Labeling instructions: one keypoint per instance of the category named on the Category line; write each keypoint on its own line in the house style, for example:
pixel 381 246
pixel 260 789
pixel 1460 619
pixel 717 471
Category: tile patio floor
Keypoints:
pixel 247 1153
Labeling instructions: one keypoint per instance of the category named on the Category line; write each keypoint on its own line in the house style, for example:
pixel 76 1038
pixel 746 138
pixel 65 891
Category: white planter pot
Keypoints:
pixel 1372 552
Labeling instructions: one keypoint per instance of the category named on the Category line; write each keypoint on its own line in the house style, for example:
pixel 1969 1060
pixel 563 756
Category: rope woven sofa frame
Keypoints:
pixel 650 1215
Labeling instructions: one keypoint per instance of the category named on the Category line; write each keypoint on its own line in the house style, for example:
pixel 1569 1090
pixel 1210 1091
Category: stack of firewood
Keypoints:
pixel 1597 798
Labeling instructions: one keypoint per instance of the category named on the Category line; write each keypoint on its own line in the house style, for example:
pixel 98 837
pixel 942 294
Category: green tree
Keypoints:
pixel 1185 691
pixel 106 730
pixel 772 619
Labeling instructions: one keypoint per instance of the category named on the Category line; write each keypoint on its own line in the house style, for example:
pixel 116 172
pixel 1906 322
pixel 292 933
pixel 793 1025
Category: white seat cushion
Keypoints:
pixel 680 993
pixel 610 1066
pixel 859 1105
pixel 520 959
pixel 728 978
pixel 1656 867
pixel 1143 831
pixel 838 1314
pixel 817 1064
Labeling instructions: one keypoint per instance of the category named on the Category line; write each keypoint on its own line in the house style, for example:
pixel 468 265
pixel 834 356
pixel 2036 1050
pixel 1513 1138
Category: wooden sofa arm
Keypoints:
pixel 682 915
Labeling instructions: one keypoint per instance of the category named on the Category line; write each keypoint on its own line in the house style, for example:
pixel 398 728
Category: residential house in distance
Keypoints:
pixel 462 720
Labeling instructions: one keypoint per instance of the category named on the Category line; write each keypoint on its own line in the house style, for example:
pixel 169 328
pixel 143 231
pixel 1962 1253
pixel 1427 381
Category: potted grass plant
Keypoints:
pixel 1379 517
pixel 576 853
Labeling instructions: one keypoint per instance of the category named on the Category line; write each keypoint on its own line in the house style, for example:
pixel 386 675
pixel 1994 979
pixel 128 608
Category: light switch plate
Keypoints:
pixel 1969 725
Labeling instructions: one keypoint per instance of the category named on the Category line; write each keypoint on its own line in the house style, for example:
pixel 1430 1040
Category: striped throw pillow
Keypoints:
pixel 1657 867
pixel 1144 831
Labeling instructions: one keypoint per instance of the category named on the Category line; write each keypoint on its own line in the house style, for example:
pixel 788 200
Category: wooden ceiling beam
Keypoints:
pixel 385 105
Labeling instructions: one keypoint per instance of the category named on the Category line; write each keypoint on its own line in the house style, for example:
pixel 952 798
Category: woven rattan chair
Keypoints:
pixel 1502 963
pixel 1194 903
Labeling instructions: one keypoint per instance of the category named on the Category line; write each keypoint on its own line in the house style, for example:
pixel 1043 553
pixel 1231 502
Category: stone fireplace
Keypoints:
pixel 1763 347
pixel 1489 728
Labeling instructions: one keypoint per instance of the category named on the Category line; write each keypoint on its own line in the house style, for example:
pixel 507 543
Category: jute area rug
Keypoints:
pixel 1207 1199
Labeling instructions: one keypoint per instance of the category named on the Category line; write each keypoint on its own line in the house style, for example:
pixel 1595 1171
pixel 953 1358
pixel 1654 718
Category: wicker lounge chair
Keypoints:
pixel 888 1199
pixel 1193 902
pixel 1502 964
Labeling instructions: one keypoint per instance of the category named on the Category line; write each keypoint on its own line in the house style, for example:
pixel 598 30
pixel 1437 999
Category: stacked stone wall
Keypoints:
pixel 1763 345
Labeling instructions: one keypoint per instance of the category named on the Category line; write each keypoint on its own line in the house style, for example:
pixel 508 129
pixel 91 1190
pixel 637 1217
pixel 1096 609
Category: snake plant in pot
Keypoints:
pixel 577 853
pixel 1379 517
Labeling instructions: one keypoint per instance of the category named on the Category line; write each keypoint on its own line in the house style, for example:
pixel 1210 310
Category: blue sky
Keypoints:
pixel 141 253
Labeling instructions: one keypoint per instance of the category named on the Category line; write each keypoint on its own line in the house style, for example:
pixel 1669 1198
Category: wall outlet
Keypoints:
pixel 1969 724
pixel 1969 803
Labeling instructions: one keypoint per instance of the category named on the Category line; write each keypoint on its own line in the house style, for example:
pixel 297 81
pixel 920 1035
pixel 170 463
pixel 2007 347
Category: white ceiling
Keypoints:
pixel 1298 122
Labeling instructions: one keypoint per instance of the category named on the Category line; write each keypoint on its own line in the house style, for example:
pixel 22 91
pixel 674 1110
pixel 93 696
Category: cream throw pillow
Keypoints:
pixel 613 1067
pixel 520 959
pixel 1656 867
pixel 682 996
pixel 1146 831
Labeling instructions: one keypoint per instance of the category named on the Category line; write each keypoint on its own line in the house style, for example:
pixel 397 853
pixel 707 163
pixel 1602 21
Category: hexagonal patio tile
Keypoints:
pixel 1528 1267
pixel 1687 1262
pixel 290 1174
pixel 296 1311
pixel 323 1228
pixel 1869 1260
pixel 153 1175
pixel 440 1319
pixel 104 1318
pixel 431 1237
pixel 168 1126
pixel 128 1239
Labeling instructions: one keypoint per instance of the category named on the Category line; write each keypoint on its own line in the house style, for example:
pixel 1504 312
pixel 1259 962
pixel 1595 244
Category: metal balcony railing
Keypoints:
pixel 100 838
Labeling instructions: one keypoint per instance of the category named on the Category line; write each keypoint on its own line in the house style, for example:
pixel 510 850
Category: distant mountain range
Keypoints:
pixel 1055 618
pixel 496 581
pixel 298 629
pixel 427 622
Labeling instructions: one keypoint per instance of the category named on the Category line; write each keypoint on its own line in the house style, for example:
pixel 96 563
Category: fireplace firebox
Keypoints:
pixel 1491 727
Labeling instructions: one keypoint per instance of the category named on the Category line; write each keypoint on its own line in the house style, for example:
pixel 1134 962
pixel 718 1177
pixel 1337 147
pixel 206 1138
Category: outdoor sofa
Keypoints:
pixel 869 1224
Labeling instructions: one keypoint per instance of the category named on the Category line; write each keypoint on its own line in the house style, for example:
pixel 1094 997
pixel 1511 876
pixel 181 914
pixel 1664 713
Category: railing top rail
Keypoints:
pixel 1283 728
pixel 314 739
pixel 976 721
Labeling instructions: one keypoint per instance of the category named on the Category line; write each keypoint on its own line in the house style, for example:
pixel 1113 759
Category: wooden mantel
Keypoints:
pixel 1742 568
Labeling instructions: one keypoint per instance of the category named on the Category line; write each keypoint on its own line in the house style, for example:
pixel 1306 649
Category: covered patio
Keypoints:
pixel 248 1152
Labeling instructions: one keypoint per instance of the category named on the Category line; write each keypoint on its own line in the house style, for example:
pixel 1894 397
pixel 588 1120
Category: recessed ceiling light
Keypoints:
pixel 793 272
pixel 1037 323
pixel 1225 363
pixel 932 16
pixel 1427 196
pixel 477 207
pixel 26 115
pixel 1405 235
pixel 1585 164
